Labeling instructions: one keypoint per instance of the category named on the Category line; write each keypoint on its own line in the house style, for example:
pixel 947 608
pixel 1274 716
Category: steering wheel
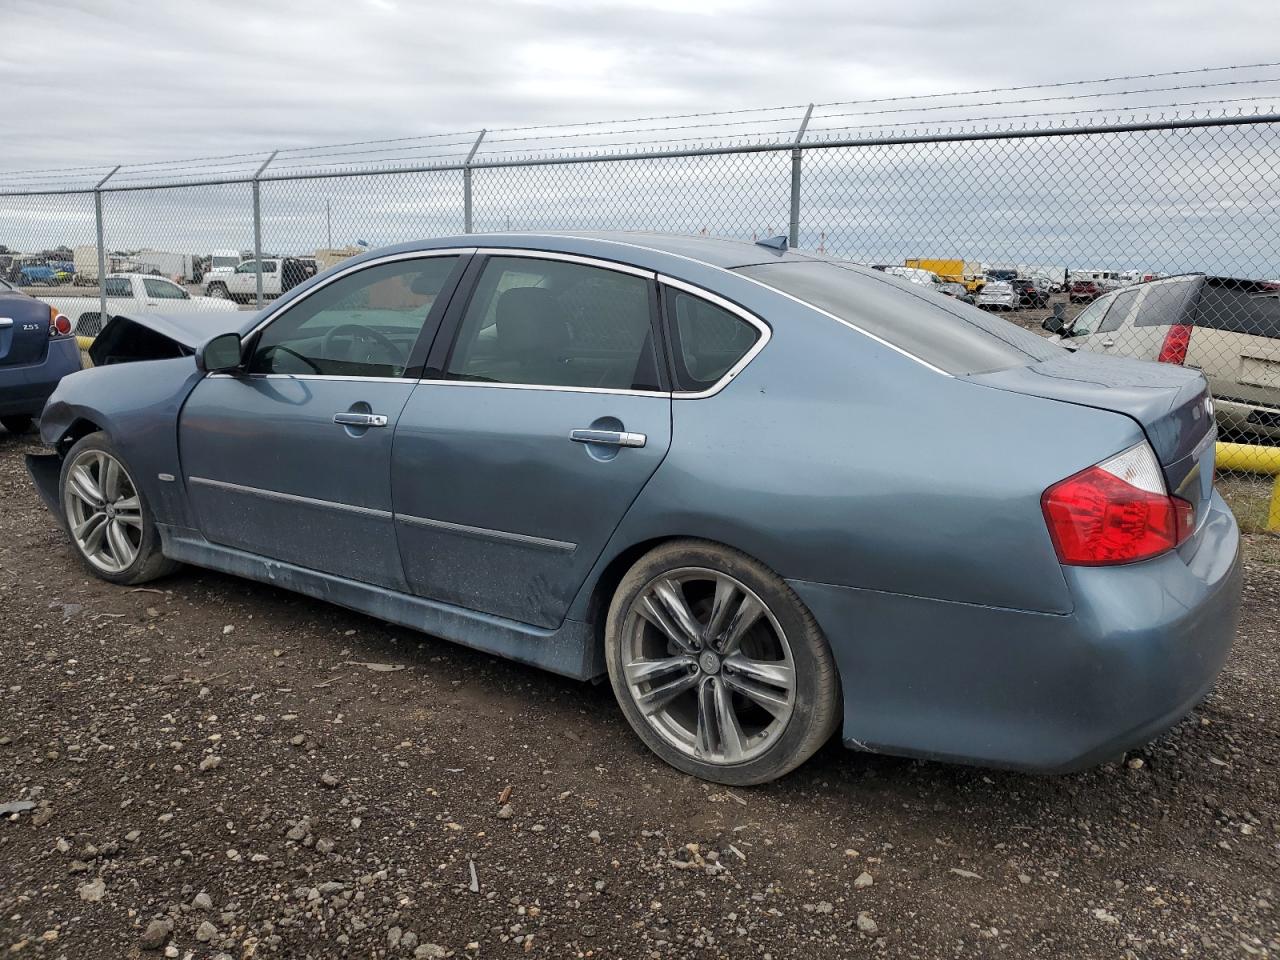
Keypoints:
pixel 356 332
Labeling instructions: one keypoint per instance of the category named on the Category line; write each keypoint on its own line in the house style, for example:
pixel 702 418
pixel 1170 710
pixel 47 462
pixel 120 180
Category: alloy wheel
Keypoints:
pixel 708 665
pixel 104 513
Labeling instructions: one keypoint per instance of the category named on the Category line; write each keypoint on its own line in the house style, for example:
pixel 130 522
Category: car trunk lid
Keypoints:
pixel 24 330
pixel 1170 403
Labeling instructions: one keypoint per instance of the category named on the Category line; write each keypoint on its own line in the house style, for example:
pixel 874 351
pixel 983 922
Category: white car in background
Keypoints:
pixel 998 295
pixel 926 278
pixel 131 292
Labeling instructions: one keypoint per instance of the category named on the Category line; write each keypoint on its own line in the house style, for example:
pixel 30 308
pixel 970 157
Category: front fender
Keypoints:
pixel 137 406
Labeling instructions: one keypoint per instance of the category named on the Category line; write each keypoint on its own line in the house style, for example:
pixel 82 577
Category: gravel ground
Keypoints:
pixel 216 768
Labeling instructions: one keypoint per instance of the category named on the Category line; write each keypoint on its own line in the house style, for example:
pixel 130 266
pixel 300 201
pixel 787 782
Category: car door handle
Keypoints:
pixel 612 438
pixel 1108 342
pixel 360 419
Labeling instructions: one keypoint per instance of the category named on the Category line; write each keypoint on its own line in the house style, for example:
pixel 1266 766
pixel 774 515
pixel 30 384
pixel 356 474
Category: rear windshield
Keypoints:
pixel 952 336
pixel 1240 306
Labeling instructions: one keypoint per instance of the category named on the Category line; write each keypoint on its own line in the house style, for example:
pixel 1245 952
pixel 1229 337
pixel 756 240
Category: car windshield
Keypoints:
pixel 952 336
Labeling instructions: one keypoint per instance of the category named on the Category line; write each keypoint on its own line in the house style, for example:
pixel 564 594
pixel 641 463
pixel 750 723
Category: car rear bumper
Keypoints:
pixel 1041 692
pixel 23 390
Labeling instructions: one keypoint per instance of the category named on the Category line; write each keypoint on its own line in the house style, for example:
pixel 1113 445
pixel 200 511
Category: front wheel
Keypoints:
pixel 718 666
pixel 218 291
pixel 107 517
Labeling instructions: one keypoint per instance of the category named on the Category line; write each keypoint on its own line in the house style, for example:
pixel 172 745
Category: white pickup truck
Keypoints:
pixel 131 292
pixel 279 275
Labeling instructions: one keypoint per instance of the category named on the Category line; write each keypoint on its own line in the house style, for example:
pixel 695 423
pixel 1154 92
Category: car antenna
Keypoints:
pixel 778 243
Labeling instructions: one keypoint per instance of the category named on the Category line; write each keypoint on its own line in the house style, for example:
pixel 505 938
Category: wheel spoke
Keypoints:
pixel 109 471
pixel 653 611
pixel 726 591
pixel 727 725
pixel 673 600
pixel 771 700
pixel 653 700
pixel 704 740
pixel 85 487
pixel 83 530
pixel 648 671
pixel 121 549
pixel 744 617
pixel 775 673
pixel 129 504
pixel 92 541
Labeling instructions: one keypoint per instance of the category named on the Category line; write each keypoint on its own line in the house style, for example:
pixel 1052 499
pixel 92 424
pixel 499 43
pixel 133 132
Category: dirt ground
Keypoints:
pixel 222 769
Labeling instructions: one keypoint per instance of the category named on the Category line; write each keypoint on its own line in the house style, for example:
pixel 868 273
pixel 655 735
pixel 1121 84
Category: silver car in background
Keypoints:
pixel 998 295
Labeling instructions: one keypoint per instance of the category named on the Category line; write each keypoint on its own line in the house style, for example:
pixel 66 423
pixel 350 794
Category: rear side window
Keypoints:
pixel 117 287
pixel 1240 306
pixel 1165 304
pixel 1120 308
pixel 951 336
pixel 554 323
pixel 706 340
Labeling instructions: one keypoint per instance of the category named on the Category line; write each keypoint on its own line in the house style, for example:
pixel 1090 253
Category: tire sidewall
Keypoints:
pixel 817 702
pixel 149 547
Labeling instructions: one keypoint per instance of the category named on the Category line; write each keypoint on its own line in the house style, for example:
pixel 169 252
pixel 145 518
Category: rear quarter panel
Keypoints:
pixel 832 458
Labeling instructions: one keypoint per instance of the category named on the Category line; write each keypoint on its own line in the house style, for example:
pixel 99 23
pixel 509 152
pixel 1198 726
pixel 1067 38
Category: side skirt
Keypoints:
pixel 568 650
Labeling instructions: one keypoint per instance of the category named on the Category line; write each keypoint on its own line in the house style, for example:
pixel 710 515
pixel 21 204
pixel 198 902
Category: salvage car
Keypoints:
pixel 1228 328
pixel 36 351
pixel 693 466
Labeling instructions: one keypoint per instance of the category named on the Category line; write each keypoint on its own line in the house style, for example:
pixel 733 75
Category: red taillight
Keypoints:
pixel 1116 512
pixel 1176 341
pixel 59 326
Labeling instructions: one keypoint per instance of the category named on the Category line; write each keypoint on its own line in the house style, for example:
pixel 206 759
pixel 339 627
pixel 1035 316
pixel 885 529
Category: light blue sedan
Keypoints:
pixel 769 494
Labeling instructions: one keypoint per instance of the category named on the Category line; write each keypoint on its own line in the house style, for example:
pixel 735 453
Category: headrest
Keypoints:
pixel 530 323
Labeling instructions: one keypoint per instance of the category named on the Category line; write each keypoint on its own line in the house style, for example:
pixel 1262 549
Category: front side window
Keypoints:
pixel 1090 317
pixel 364 324
pixel 163 289
pixel 557 324
pixel 707 340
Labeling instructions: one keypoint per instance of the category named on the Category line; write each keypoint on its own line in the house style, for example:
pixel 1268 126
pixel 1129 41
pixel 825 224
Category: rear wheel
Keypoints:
pixel 718 666
pixel 20 423
pixel 107 517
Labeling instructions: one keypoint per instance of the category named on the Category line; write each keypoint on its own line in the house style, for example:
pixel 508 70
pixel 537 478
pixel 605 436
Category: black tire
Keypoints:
pixel 150 563
pixel 17 423
pixel 217 290
pixel 817 700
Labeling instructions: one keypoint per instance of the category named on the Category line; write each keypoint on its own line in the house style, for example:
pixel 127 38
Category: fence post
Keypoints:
pixel 467 224
pixel 793 235
pixel 102 251
pixel 257 226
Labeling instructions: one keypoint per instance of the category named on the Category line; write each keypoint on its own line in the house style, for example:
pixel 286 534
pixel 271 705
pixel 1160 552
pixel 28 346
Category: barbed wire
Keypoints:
pixel 734 126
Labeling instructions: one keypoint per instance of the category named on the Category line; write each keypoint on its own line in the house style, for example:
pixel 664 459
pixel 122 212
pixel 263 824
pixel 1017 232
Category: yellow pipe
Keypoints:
pixel 84 342
pixel 1254 459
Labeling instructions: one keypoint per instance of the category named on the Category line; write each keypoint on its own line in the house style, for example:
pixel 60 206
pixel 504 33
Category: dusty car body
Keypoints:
pixel 768 493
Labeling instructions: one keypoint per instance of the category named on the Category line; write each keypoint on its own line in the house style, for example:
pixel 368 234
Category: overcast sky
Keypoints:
pixel 106 81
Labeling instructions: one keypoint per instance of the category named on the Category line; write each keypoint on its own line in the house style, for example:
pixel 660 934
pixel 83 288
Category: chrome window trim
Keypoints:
pixel 766 334
pixel 307 376
pixel 661 394
pixel 486 533
pixel 355 267
pixel 582 259
pixel 289 497
pixel 759 283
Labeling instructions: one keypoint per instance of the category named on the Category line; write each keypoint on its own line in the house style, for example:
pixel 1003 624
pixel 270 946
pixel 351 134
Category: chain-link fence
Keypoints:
pixel 1155 239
